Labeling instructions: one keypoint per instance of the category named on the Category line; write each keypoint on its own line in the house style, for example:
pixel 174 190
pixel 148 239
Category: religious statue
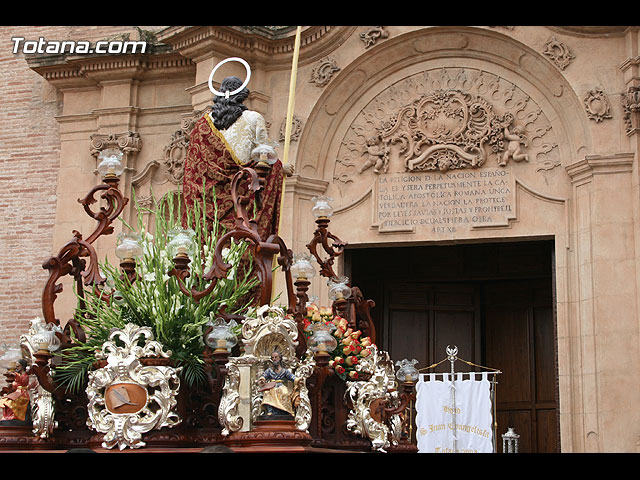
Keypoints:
pixel 15 399
pixel 220 145
pixel 278 386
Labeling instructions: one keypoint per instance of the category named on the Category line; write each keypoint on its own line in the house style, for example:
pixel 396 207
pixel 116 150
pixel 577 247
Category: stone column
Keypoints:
pixel 603 325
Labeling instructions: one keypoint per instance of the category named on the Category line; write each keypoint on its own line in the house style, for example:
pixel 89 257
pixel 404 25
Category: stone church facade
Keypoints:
pixel 427 139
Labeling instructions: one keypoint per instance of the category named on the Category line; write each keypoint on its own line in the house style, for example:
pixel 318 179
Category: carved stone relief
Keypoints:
pixel 323 72
pixel 631 107
pixel 445 119
pixel 558 53
pixel 371 36
pixel 597 105
pixel 296 129
pixel 129 142
pixel 174 155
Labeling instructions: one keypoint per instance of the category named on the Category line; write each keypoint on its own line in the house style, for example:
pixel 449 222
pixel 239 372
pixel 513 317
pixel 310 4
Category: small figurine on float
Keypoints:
pixel 14 403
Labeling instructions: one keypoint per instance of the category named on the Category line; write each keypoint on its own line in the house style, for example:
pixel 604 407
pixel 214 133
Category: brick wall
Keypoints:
pixel 29 161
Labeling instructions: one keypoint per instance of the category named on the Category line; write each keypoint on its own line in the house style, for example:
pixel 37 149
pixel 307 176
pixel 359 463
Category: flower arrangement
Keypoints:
pixel 352 346
pixel 154 299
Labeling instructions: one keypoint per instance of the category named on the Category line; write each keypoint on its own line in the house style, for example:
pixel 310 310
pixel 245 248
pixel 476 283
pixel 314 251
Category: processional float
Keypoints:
pixel 135 395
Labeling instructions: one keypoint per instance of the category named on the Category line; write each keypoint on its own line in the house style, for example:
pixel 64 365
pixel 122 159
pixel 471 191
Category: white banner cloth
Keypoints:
pixel 436 423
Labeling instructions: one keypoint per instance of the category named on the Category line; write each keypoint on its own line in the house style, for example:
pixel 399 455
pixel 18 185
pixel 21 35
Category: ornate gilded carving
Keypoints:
pixel 558 53
pixel 241 402
pixel 41 401
pixel 371 36
pixel 597 105
pixel 366 396
pixel 127 398
pixel 323 72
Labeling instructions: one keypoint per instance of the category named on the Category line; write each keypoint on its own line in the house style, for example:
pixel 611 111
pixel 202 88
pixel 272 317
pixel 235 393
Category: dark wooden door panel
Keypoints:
pixel 493 301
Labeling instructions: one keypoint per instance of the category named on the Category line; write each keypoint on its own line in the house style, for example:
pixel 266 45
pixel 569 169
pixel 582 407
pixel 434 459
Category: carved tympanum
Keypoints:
pixel 445 130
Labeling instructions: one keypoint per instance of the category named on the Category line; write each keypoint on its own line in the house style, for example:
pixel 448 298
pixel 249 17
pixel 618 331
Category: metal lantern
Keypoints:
pixel 510 441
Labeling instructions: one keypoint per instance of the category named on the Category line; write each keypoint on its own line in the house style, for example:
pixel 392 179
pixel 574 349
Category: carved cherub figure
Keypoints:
pixel 377 155
pixel 516 139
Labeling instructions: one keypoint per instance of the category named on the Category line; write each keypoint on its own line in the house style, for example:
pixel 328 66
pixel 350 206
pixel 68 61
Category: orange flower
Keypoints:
pixel 365 352
pixel 353 375
pixel 365 342
pixel 339 369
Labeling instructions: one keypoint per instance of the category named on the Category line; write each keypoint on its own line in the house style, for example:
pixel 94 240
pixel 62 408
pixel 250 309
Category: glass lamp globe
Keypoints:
pixel 264 153
pixel 407 371
pixel 128 246
pixel 322 341
pixel 321 207
pixel 45 338
pixel 110 163
pixel 339 288
pixel 302 268
pixel 221 336
pixel 181 242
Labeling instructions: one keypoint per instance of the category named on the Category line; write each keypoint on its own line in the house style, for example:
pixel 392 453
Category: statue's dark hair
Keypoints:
pixel 227 110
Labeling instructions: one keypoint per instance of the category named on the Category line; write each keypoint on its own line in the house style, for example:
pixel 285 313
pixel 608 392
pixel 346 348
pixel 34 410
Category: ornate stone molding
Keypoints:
pixel 372 35
pixel 296 129
pixel 631 107
pixel 597 105
pixel 323 72
pixel 129 142
pixel 174 155
pixel 558 53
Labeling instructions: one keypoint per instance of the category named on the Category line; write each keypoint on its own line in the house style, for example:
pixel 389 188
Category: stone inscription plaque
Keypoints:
pixel 444 203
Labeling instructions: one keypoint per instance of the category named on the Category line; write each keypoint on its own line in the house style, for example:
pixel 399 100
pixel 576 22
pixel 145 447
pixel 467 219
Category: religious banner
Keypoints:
pixel 454 416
